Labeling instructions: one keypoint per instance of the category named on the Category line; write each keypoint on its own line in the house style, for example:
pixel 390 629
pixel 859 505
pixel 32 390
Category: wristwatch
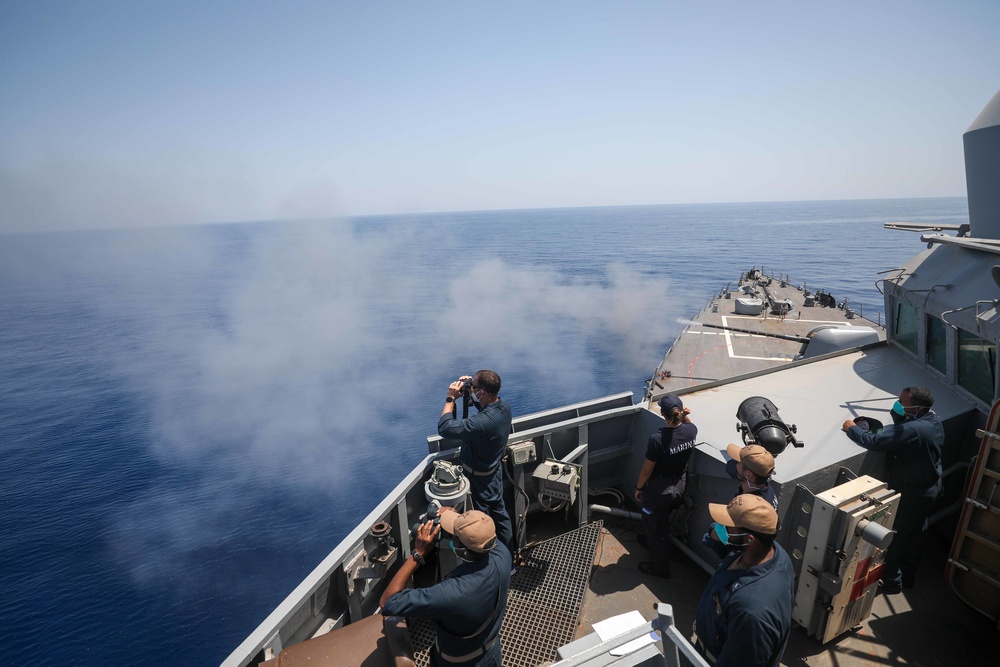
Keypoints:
pixel 449 400
pixel 418 558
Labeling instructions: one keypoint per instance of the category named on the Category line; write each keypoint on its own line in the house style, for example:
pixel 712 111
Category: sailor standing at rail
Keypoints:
pixel 484 440
pixel 468 605
pixel 913 467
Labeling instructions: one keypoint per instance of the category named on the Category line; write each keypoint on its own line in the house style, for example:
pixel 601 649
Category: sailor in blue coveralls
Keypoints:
pixel 745 613
pixel 913 467
pixel 484 440
pixel 753 466
pixel 468 605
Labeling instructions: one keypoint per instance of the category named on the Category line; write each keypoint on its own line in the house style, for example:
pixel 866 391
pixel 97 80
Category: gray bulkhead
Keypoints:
pixel 942 304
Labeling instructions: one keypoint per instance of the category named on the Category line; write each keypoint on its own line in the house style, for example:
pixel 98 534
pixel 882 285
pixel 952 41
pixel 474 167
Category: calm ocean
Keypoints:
pixel 193 417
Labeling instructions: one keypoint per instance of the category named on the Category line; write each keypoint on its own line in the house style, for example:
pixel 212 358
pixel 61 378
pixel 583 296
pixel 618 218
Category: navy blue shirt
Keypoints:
pixel 670 448
pixel 744 616
pixel 913 451
pixel 460 604
pixel 483 435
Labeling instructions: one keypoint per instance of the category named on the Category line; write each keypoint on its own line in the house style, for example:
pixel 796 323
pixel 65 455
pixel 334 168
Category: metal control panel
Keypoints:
pixel 557 480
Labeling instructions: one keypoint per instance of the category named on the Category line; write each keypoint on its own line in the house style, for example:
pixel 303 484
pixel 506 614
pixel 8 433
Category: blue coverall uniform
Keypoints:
pixel 745 616
pixel 467 608
pixel 484 440
pixel 913 467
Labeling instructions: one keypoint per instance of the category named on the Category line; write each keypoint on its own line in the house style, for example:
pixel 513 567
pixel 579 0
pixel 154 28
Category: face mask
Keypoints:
pixel 460 552
pixel 898 414
pixel 722 532
pixel 751 485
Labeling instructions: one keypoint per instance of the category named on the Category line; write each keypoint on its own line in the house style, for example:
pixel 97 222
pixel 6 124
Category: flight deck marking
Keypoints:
pixel 730 335
pixel 729 342
pixel 695 360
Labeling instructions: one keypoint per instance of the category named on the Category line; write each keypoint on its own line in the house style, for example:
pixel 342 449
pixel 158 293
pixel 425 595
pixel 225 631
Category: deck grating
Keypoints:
pixel 544 602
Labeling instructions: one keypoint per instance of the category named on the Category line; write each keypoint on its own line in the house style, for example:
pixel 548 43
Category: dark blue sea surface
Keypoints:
pixel 193 417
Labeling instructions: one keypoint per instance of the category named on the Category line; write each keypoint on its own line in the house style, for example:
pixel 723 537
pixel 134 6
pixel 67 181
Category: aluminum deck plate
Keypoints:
pixel 544 602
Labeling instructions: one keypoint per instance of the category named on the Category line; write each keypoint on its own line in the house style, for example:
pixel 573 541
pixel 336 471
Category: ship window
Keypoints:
pixel 936 348
pixel 904 329
pixel 976 363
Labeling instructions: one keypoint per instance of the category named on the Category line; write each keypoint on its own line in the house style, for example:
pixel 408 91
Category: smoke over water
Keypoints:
pixel 548 323
pixel 296 366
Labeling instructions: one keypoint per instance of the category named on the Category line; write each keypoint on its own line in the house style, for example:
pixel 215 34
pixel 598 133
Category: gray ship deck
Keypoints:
pixel 925 625
pixel 701 354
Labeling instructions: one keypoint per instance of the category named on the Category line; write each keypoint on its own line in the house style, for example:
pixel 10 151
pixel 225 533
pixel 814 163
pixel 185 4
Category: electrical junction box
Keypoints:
pixel 522 452
pixel 846 534
pixel 557 480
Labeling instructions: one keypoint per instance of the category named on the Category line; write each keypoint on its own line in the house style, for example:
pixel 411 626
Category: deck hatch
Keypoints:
pixel 543 606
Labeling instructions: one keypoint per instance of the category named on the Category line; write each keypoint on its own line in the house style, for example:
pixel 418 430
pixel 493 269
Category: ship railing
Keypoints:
pixel 530 425
pixel 635 646
pixel 565 435
pixel 304 603
pixel 303 612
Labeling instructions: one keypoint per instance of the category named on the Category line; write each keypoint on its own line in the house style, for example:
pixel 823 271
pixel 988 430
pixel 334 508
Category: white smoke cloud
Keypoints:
pixel 546 321
pixel 282 373
pixel 325 360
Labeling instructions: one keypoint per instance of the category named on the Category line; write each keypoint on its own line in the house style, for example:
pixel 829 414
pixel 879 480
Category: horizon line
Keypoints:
pixel 362 216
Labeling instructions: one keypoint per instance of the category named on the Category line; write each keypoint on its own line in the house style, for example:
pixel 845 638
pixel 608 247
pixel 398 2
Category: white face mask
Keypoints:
pixel 751 485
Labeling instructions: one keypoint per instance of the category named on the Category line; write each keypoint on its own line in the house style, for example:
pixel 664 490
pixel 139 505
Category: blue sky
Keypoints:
pixel 120 114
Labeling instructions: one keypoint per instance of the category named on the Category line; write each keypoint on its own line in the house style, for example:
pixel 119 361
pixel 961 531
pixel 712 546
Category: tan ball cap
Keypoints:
pixel 473 529
pixel 746 510
pixel 753 457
